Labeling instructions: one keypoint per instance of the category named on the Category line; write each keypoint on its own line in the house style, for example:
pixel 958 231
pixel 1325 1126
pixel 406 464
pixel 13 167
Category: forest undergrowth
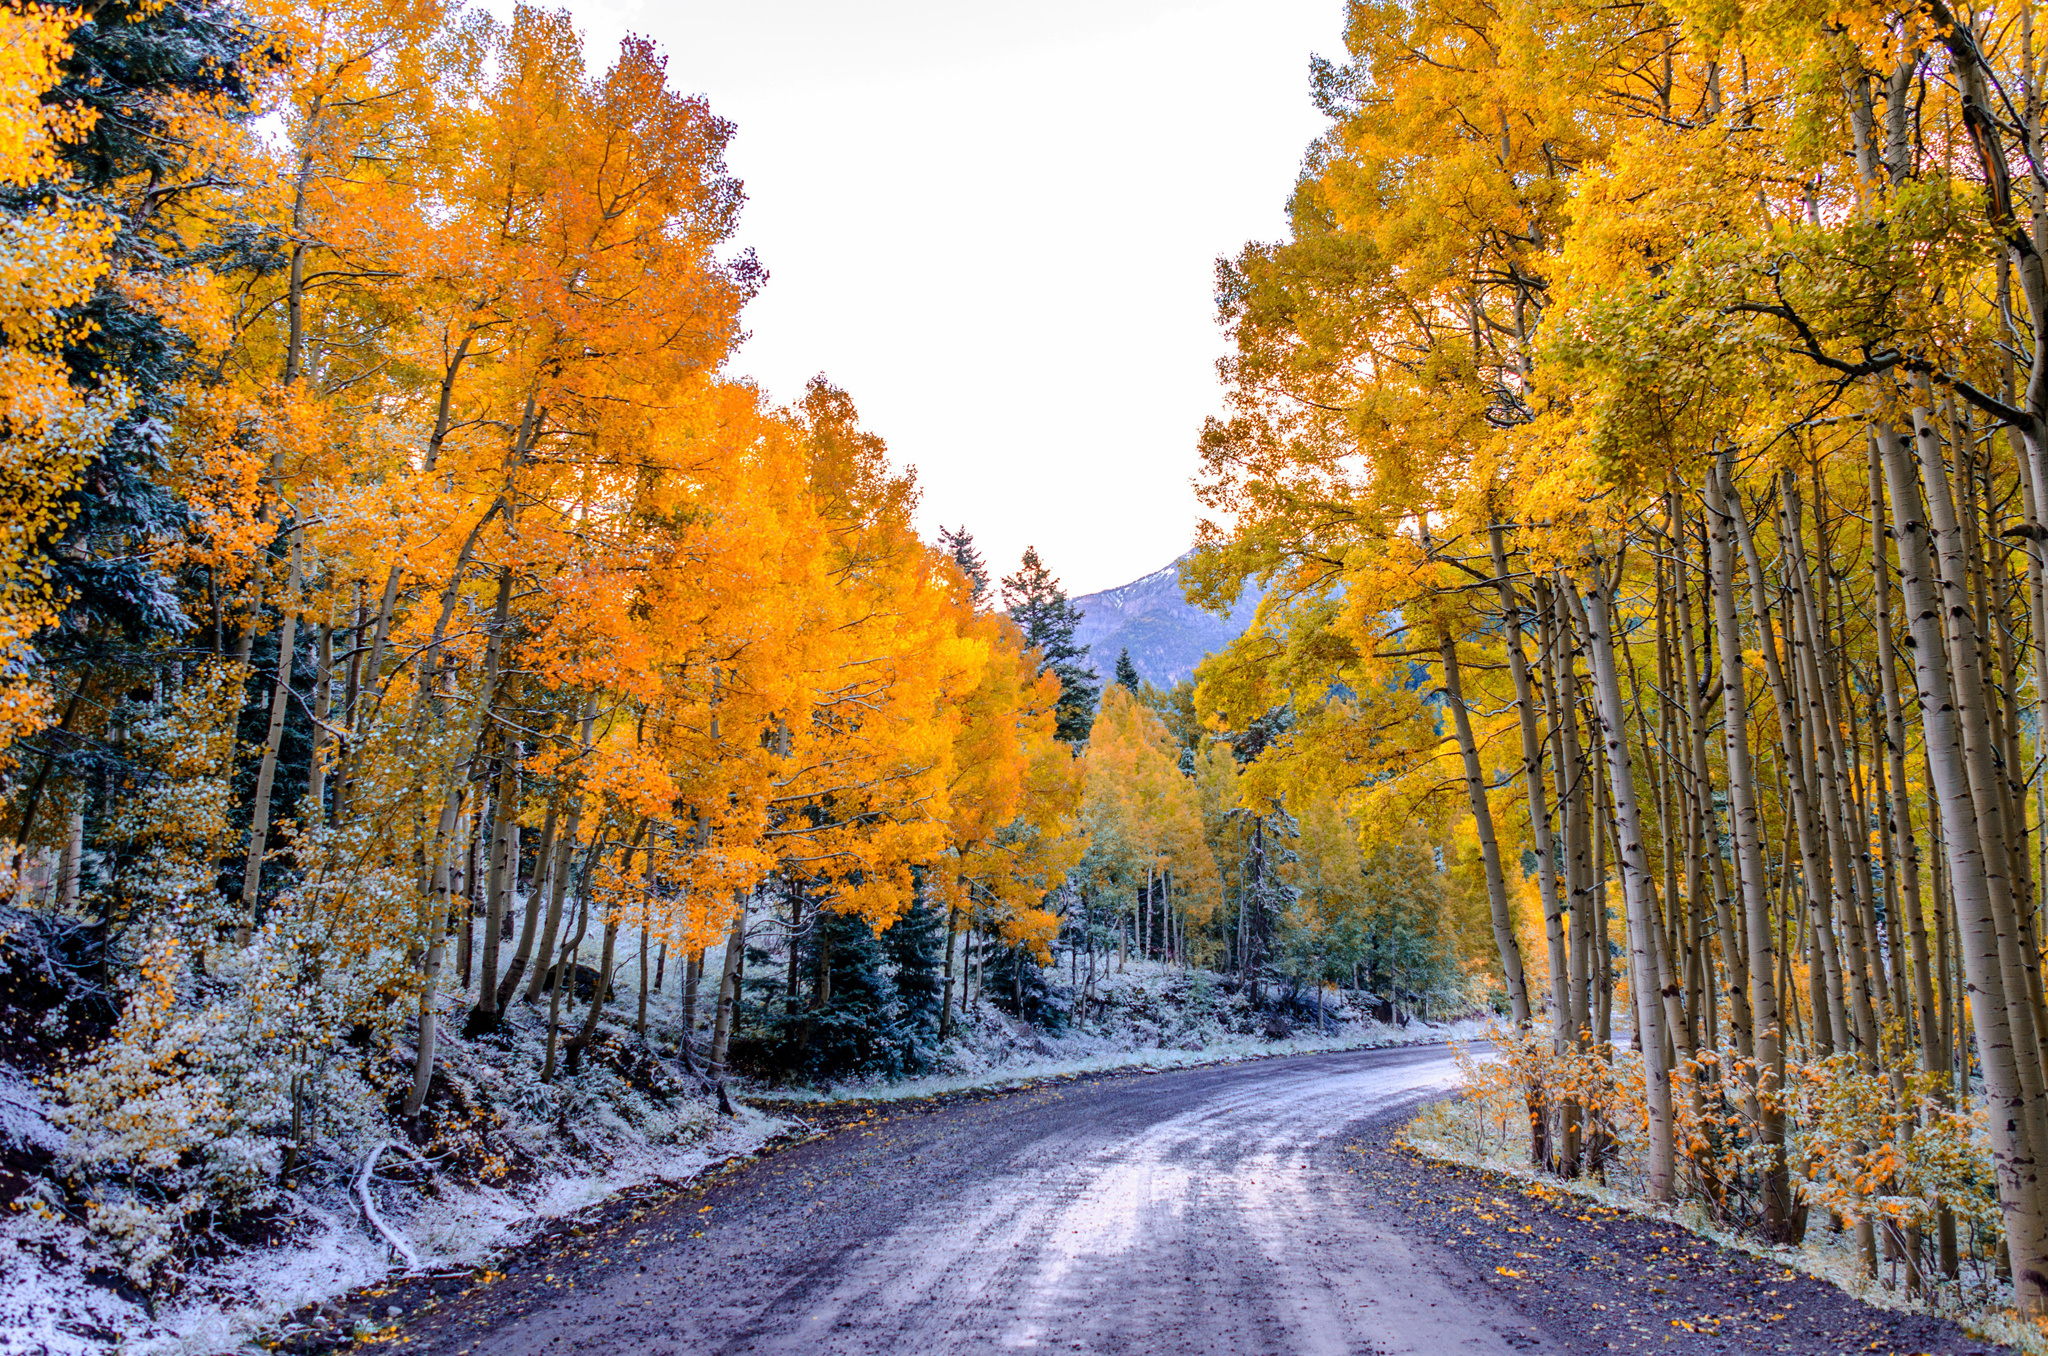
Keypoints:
pixel 1156 1017
pixel 1486 1124
pixel 497 1152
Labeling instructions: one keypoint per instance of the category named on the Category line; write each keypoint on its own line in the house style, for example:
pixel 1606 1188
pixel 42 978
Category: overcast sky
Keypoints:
pixel 996 225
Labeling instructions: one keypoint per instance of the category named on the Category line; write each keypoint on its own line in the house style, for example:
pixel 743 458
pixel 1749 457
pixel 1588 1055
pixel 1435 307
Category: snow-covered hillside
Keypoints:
pixel 1166 635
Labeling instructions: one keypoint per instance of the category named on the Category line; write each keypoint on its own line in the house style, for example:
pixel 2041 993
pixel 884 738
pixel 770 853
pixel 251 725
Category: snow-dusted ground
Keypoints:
pixel 532 1152
pixel 1154 1016
pixel 52 1299
pixel 1363 1036
pixel 571 1145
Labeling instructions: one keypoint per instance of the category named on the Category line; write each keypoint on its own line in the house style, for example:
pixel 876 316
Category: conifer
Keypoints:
pixel 1039 605
pixel 958 542
pixel 911 948
pixel 1126 672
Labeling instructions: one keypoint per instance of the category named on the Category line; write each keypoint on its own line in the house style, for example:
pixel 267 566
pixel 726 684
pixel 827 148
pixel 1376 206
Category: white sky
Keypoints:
pixel 996 226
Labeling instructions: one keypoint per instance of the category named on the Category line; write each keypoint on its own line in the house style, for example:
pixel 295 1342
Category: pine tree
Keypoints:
pixel 911 947
pixel 132 162
pixel 1175 706
pixel 850 1031
pixel 131 66
pixel 1015 982
pixel 1126 672
pixel 959 543
pixel 1038 604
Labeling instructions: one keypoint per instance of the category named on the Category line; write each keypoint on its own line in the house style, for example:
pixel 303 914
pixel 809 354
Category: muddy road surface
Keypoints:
pixel 1251 1208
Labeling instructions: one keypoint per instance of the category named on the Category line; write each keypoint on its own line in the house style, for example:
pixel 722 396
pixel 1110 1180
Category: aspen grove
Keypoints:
pixel 1645 424
pixel 444 709
pixel 401 601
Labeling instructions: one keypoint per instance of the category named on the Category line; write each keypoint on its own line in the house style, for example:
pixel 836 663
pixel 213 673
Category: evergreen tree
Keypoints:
pixel 1015 982
pixel 143 166
pixel 1039 605
pixel 911 946
pixel 133 66
pixel 959 542
pixel 1126 672
pixel 1406 952
pixel 851 1031
pixel 1176 707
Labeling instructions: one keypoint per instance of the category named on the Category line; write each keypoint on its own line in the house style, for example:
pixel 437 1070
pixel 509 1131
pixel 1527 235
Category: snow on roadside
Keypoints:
pixel 1155 1016
pixel 60 1296
pixel 63 1294
pixel 1128 1061
pixel 224 1306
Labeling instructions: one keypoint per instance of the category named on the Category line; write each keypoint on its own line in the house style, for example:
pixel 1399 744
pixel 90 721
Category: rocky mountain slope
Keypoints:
pixel 1166 635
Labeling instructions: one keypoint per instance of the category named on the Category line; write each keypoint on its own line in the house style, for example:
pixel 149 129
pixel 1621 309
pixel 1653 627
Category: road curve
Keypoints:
pixel 1207 1210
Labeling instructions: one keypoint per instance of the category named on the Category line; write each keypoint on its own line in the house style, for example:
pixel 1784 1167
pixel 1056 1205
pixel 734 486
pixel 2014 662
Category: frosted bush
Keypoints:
pixel 1863 1145
pixel 141 1235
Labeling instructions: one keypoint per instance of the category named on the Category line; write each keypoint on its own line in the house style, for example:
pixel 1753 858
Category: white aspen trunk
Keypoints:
pixel 434 921
pixel 1852 881
pixel 1731 925
pixel 1747 823
pixel 1489 850
pixel 601 991
pixel 946 983
pixel 557 892
pixel 1145 945
pixel 69 860
pixel 728 987
pixel 1834 826
pixel 1572 799
pixel 1539 812
pixel 1973 701
pixel 503 880
pixel 693 974
pixel 1898 807
pixel 1814 872
pixel 380 638
pixel 564 960
pixel 640 1015
pixel 536 902
pixel 323 701
pixel 266 769
pixel 2014 1123
pixel 1637 889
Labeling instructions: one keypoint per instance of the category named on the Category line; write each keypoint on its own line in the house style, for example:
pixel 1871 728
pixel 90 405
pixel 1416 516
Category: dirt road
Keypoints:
pixel 1211 1210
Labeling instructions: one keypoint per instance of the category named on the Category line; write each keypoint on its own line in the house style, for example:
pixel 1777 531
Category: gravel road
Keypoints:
pixel 1251 1208
pixel 1192 1212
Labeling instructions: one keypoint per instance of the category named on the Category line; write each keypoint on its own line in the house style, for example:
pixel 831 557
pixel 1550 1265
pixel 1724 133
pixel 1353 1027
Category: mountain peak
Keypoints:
pixel 1150 616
